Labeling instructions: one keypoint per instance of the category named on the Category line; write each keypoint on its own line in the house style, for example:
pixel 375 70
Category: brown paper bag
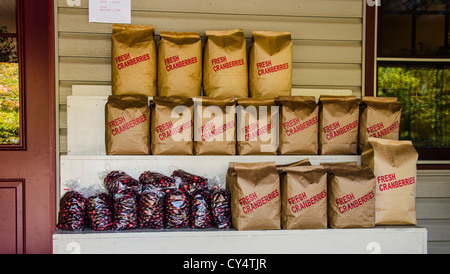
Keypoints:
pixel 328 166
pixel 299 124
pixel 338 125
pixel 172 126
pixel 304 197
pixel 379 118
pixel 133 59
pixel 127 125
pixel 179 64
pixel 394 164
pixel 257 126
pixel 225 69
pixel 255 195
pixel 270 64
pixel 303 162
pixel 215 126
pixel 351 197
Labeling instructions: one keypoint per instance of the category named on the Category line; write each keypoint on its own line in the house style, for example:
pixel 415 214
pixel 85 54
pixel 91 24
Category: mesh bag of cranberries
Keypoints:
pixel 209 205
pixel 151 210
pixel 124 191
pixel 99 208
pixel 155 201
pixel 71 214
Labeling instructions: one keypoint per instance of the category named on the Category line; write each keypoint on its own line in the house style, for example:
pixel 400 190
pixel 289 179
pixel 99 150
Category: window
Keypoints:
pixel 414 28
pixel 10 90
pixel 413 63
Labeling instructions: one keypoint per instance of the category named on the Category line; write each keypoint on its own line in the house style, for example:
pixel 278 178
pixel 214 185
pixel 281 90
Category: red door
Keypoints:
pixel 27 169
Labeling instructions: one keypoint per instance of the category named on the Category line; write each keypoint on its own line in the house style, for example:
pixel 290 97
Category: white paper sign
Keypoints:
pixel 110 11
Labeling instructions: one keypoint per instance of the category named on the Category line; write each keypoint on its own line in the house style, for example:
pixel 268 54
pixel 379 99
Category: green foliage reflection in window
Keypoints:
pixel 9 91
pixel 424 94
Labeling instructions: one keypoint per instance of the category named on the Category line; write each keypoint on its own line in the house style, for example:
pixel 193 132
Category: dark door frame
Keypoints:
pixel 32 168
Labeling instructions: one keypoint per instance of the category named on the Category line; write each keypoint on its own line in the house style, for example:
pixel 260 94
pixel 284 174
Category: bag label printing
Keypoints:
pixel 389 181
pixel 168 129
pixel 252 201
pixel 349 202
pixel 294 126
pixel 301 201
pixel 209 130
pixel 221 63
pixel 175 63
pixel 379 131
pixel 335 130
pixel 125 60
pixel 266 67
pixel 120 124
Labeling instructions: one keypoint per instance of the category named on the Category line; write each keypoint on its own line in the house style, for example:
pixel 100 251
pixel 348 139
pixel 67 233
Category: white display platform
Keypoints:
pixel 87 161
pixel 379 240
pixel 403 240
pixel 86 125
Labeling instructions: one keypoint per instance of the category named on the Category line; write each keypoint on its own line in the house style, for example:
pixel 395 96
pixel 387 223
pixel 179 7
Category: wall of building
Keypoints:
pixel 328 54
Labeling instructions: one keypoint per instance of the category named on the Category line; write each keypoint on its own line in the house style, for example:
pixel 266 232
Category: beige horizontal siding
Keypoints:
pixel 316 28
pixel 438 230
pixel 63 140
pixel 99 69
pixel 314 8
pixel 433 208
pixel 310 51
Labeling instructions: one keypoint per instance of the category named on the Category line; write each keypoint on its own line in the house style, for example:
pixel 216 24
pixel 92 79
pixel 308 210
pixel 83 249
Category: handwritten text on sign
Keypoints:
pixel 110 11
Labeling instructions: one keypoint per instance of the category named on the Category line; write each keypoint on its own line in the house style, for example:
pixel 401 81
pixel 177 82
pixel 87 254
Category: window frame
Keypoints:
pixel 434 158
pixel 22 100
pixel 424 153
